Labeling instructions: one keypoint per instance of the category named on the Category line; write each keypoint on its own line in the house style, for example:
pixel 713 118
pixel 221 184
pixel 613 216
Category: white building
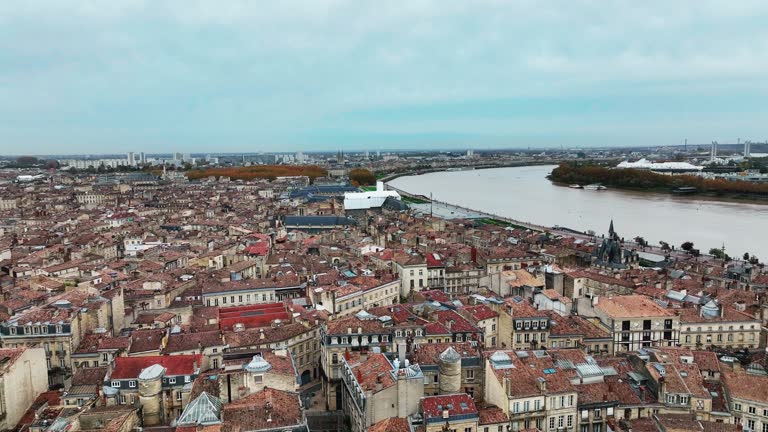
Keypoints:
pixel 659 166
pixel 367 200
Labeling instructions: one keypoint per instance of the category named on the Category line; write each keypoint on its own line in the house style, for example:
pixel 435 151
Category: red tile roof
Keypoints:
pixel 433 406
pixel 131 367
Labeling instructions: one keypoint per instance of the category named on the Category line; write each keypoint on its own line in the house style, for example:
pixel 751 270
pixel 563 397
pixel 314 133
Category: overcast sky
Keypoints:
pixel 111 76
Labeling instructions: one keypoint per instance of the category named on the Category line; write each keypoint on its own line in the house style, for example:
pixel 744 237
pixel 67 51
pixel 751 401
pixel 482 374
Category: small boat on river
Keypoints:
pixel 595 186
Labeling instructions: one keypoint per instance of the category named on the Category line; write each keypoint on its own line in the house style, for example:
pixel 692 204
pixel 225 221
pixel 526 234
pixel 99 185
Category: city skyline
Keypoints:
pixel 310 76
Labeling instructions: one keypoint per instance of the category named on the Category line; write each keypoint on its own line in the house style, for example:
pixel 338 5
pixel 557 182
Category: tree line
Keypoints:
pixel 576 173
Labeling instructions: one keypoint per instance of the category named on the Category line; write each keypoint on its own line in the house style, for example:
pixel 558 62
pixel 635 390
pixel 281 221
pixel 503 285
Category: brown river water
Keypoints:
pixel 525 194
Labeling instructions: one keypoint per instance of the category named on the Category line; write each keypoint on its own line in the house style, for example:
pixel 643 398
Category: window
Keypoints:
pixel 13 330
pixel 737 407
pixel 133 399
pixel 470 374
pixel 537 405
pixel 335 359
pixel 598 413
pixel 186 378
pixel 172 380
pixel 560 421
pixel 115 384
pixel 131 383
pixel 122 399
pixel 570 400
pixel 751 425
pixel 570 421
pixel 551 422
pixel 178 396
pixel 516 407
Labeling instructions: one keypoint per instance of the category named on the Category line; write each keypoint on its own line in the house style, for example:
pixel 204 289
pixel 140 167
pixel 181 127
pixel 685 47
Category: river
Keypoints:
pixel 525 194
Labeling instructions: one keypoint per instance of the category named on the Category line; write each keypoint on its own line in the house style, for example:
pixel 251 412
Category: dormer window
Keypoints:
pixel 58 329
pixel 13 330
pixel 131 383
pixel 172 380
pixel 344 340
pixel 45 329
pixel 115 384
pixel 398 333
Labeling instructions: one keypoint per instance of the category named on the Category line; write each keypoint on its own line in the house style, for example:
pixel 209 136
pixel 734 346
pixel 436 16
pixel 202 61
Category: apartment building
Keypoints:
pixel 635 321
pixel 530 388
pixel 20 382
pixel 718 325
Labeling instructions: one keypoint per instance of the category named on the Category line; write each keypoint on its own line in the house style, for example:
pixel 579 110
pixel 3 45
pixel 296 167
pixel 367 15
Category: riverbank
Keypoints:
pixel 569 173
pixel 457 168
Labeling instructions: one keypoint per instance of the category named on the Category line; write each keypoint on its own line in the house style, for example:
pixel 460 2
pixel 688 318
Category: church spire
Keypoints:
pixel 611 232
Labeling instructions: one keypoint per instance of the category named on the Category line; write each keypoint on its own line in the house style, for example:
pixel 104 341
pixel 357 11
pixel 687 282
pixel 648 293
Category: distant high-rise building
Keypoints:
pixel 178 156
pixel 747 148
pixel 366 154
pixel 131 159
pixel 470 153
pixel 142 158
pixel 713 152
pixel 300 157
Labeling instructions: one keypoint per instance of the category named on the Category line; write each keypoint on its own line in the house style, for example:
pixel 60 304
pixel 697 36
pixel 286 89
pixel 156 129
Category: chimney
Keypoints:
pixel 541 384
pixel 261 333
pixel 359 376
pixel 506 385
pixel 379 384
pixel 474 255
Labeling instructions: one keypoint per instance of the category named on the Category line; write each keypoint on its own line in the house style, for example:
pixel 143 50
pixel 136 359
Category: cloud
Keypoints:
pixel 196 74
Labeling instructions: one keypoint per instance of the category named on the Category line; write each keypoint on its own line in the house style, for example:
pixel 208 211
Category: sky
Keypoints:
pixel 94 76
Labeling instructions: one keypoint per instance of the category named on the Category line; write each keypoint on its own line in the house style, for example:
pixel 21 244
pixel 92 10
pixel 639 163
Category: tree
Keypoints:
pixel 362 177
pixel 687 246
pixel 746 256
pixel 719 254
pixel 641 241
pixel 753 260
pixel 664 245
pixel 27 161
